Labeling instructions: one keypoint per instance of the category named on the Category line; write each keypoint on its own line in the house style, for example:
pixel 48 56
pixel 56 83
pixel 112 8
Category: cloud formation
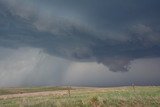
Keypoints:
pixel 32 67
pixel 109 32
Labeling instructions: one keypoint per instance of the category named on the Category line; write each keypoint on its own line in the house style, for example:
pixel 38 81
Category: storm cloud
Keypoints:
pixel 113 33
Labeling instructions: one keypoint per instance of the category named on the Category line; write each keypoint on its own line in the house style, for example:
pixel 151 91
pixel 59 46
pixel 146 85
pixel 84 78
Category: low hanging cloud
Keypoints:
pixel 28 66
pixel 113 35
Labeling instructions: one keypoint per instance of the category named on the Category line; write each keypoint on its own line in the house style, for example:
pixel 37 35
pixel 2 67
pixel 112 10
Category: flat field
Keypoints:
pixel 141 96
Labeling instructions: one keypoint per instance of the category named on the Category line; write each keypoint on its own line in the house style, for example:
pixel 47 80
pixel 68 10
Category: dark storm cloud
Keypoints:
pixel 109 32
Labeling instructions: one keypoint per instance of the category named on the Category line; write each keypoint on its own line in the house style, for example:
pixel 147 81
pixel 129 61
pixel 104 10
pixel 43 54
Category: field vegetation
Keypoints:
pixel 84 97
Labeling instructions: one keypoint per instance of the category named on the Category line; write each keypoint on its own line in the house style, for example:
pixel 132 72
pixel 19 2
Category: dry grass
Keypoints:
pixel 87 97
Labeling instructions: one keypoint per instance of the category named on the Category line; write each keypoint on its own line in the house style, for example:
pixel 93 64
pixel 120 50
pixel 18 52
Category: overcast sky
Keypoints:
pixel 79 42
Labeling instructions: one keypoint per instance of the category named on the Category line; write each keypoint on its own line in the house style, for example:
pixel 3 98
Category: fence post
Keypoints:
pixel 69 91
pixel 133 86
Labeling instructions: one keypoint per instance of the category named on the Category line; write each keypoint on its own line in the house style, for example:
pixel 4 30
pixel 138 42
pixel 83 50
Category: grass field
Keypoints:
pixel 81 97
pixel 6 91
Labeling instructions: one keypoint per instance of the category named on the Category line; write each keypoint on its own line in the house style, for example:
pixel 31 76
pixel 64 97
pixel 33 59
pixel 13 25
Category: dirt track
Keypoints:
pixel 54 93
pixel 46 93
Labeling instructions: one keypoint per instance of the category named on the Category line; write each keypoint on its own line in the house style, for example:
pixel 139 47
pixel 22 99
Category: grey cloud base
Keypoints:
pixel 113 35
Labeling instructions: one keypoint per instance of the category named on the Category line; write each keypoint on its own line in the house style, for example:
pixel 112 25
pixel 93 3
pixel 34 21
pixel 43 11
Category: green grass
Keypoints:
pixel 90 97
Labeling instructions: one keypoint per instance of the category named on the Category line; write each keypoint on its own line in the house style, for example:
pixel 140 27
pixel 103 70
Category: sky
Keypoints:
pixel 79 42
